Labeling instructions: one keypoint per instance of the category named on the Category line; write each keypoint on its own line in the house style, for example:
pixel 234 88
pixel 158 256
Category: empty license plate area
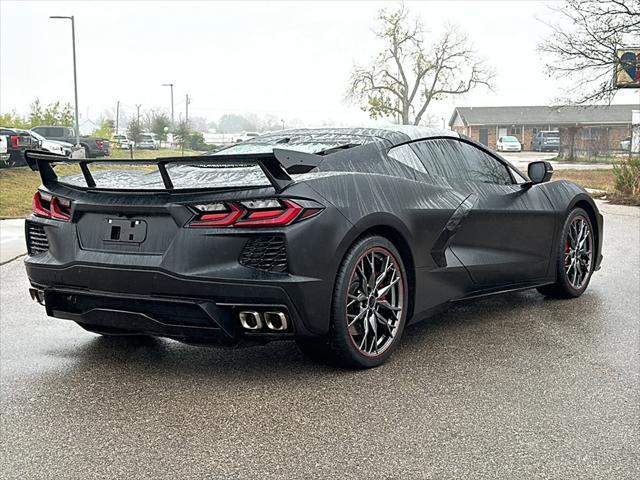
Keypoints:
pixel 147 234
pixel 125 230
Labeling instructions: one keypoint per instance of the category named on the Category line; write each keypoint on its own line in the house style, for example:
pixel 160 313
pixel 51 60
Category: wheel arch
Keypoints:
pixel 588 206
pixel 385 228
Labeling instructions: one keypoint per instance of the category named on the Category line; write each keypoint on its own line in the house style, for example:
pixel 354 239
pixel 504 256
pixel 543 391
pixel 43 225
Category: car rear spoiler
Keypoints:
pixel 276 166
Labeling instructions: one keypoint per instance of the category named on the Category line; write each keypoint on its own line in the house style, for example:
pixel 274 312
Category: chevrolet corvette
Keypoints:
pixel 335 238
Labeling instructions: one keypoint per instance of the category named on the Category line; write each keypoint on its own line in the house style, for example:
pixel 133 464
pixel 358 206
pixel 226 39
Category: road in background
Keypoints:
pixel 511 386
pixel 12 243
pixel 522 159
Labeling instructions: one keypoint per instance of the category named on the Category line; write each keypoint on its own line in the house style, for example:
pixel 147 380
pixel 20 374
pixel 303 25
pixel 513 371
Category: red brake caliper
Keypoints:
pixel 566 250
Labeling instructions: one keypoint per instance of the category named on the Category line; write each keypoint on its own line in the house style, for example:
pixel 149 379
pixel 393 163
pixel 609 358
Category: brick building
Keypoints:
pixel 584 130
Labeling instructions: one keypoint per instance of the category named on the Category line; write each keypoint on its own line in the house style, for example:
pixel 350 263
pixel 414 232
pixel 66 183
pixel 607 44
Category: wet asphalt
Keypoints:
pixel 512 386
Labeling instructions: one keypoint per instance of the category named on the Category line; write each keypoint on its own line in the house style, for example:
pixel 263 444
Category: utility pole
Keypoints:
pixel 117 115
pixel 171 86
pixel 138 107
pixel 186 109
pixel 75 76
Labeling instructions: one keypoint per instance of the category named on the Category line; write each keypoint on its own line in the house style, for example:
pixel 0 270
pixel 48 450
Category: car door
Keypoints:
pixel 507 234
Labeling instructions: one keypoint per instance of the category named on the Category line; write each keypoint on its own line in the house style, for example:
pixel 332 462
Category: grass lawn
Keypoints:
pixel 150 154
pixel 601 179
pixel 17 185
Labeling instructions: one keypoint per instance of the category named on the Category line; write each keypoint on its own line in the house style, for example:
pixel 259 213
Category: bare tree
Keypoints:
pixel 408 75
pixel 583 42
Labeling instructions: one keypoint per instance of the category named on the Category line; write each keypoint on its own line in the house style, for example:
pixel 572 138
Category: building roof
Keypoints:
pixel 541 115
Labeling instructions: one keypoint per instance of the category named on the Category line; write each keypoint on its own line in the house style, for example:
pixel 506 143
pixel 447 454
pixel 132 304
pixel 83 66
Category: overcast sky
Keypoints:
pixel 292 59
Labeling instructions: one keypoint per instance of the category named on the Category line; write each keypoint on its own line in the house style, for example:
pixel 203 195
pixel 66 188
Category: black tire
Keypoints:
pixel 340 347
pixel 87 152
pixel 563 287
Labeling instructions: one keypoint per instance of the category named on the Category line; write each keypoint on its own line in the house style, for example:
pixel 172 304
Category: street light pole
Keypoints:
pixel 75 75
pixel 171 86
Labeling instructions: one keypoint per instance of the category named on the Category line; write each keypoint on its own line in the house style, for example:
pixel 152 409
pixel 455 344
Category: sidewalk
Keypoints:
pixel 12 242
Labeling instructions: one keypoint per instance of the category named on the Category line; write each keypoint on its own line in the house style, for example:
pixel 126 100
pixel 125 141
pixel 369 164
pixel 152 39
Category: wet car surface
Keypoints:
pixel 511 386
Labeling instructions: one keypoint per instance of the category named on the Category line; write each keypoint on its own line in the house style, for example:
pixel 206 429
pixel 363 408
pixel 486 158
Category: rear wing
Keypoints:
pixel 276 166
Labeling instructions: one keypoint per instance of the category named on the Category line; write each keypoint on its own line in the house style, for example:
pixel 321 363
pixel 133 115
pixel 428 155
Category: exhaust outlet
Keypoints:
pixel 37 295
pixel 251 320
pixel 276 321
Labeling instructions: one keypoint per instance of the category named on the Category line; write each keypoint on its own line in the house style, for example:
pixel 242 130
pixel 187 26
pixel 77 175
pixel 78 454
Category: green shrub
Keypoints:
pixel 627 177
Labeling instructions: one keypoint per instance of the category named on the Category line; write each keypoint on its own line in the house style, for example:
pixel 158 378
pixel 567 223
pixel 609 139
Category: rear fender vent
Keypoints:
pixel 267 253
pixel 37 241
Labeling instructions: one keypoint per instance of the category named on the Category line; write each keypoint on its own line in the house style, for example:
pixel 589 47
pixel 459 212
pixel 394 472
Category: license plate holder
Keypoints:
pixel 124 230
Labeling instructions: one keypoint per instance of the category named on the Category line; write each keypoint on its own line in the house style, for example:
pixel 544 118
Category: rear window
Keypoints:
pixel 551 134
pixel 52 131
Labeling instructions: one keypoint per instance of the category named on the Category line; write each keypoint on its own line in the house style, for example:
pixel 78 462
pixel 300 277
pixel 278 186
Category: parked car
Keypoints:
pixel 508 144
pixel 121 141
pixel 626 144
pixel 59 148
pixel 93 147
pixel 247 136
pixel 4 150
pixel 546 140
pixel 148 141
pixel 17 142
pixel 337 241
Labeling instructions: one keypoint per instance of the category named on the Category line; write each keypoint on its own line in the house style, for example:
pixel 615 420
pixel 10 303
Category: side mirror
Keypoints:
pixel 539 172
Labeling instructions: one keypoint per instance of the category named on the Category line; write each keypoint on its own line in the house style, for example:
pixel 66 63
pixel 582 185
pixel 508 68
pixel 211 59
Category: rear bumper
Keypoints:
pixel 154 302
pixel 204 271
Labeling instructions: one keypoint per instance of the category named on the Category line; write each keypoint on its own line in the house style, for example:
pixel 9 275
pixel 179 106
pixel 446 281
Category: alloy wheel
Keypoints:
pixel 374 303
pixel 578 252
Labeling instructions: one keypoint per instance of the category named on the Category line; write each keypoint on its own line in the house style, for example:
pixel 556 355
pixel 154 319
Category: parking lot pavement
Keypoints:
pixel 11 239
pixel 522 159
pixel 511 386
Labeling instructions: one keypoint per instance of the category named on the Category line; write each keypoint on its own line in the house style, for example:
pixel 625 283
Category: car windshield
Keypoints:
pixel 510 139
pixel 37 135
pixel 552 134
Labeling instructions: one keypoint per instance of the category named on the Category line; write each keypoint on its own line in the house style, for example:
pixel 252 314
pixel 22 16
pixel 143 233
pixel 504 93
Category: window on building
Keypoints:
pixel 515 130
pixel 457 160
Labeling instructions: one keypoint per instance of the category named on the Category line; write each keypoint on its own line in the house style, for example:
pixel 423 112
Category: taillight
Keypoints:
pixel 254 213
pixel 14 141
pixel 100 144
pixel 46 206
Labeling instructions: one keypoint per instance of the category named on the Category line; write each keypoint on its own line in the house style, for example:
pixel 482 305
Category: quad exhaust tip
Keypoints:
pixel 276 321
pixel 37 295
pixel 253 321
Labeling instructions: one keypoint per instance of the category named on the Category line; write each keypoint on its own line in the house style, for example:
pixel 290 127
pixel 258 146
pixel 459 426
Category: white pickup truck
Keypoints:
pixel 4 150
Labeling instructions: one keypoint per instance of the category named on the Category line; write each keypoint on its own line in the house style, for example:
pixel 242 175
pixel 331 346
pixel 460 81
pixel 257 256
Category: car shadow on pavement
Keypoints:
pixel 510 319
